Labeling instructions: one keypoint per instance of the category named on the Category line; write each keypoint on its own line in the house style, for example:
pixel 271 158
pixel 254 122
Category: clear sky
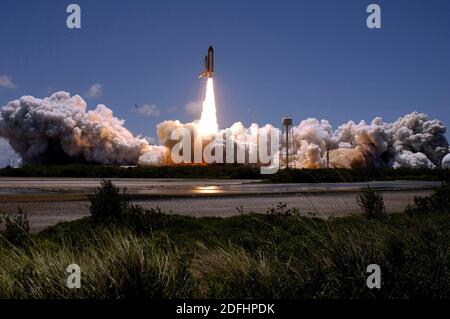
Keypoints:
pixel 273 58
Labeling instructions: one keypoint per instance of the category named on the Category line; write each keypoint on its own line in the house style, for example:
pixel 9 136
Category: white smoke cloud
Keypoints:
pixel 6 82
pixel 310 142
pixel 60 129
pixel 95 91
pixel 150 139
pixel 193 108
pixel 446 161
pixel 154 155
pixel 164 131
pixel 412 141
pixel 148 110
pixel 7 154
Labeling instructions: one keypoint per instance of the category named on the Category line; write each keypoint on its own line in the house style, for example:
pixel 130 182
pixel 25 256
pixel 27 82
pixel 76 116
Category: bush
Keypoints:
pixel 372 203
pixel 282 210
pixel 438 201
pixel 17 228
pixel 108 203
pixel 144 221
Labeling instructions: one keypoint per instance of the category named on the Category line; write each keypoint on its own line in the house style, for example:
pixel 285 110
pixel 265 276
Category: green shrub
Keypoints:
pixel 108 203
pixel 144 221
pixel 282 210
pixel 438 201
pixel 372 203
pixel 17 228
pixel 111 206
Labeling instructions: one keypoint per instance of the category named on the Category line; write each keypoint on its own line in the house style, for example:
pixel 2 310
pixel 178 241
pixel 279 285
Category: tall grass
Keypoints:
pixel 233 272
pixel 294 257
pixel 16 229
pixel 116 265
pixel 278 255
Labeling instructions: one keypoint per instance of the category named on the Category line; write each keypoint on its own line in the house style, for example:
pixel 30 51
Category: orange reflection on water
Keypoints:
pixel 207 189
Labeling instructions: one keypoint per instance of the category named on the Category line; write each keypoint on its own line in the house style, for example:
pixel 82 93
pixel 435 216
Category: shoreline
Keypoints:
pixel 43 214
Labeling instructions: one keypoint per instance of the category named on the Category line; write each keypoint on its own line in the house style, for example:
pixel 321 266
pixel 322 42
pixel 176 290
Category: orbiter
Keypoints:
pixel 208 65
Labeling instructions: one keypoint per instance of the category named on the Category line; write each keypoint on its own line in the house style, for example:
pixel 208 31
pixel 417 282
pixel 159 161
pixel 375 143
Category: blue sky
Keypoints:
pixel 273 58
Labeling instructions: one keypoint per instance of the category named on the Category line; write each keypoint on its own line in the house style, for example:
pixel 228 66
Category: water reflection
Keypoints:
pixel 212 189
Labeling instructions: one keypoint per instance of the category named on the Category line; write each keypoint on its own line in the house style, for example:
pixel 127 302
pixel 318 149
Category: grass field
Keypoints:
pixel 148 254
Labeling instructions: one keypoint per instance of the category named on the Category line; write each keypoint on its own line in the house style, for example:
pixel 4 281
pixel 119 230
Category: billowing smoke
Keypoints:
pixel 239 135
pixel 446 161
pixel 412 141
pixel 59 129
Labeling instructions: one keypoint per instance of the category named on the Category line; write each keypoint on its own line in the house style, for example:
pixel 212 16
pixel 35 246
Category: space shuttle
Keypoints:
pixel 208 65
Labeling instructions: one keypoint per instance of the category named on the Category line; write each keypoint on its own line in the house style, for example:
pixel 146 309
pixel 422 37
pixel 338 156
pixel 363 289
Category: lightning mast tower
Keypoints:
pixel 286 142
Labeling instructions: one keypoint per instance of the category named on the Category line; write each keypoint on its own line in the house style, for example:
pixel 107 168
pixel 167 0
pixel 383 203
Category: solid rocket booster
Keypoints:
pixel 208 65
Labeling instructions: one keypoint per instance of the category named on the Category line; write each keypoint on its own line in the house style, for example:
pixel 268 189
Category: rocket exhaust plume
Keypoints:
pixel 208 122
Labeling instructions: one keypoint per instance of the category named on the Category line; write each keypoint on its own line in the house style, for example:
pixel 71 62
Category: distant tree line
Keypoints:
pixel 228 172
